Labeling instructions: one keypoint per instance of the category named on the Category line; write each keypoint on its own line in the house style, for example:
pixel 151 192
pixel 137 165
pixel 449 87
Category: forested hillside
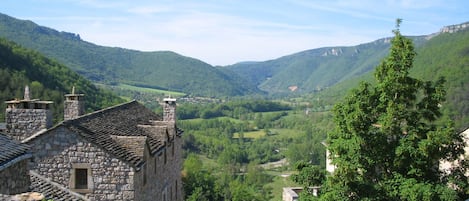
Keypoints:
pixel 303 72
pixel 316 69
pixel 46 78
pixel 313 70
pixel 444 55
pixel 108 65
pixel 447 55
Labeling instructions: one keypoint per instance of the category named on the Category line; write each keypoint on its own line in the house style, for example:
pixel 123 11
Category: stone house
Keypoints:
pixel 448 166
pixel 13 166
pixel 329 166
pixel 125 152
pixel 293 193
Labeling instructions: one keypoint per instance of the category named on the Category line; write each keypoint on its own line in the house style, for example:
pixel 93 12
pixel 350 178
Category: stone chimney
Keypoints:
pixel 26 117
pixel 74 105
pixel 169 109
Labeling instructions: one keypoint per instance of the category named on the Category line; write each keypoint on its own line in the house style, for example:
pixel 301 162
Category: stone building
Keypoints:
pixel 125 152
pixel 293 193
pixel 14 175
pixel 27 116
pixel 329 166
pixel 448 166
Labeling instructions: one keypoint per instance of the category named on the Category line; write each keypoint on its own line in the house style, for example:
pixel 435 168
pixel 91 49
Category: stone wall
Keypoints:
pixel 169 109
pixel 22 123
pixel 56 152
pixel 291 193
pixel 73 109
pixel 15 179
pixel 163 180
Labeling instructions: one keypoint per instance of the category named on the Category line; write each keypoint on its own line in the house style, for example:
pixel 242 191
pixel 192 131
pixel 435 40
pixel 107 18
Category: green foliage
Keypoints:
pixel 309 175
pixel 443 55
pixel 235 109
pixel 238 172
pixel 198 182
pixel 387 145
pixel 447 55
pixel 308 148
pixel 313 70
pixel 201 184
pixel 47 79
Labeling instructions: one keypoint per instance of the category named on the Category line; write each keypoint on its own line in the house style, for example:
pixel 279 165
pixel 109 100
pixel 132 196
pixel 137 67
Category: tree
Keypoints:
pixel 388 141
pixel 198 183
pixel 309 175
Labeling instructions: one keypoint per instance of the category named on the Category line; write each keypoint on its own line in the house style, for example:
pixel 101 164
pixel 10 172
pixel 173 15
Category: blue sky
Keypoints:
pixel 225 32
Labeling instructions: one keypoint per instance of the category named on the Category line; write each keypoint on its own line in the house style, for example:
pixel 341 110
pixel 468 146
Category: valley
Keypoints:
pixel 236 118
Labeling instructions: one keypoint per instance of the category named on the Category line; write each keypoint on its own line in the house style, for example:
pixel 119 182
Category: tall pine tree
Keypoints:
pixel 387 144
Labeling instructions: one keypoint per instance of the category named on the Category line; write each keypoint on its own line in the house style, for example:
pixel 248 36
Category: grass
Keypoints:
pixel 150 90
pixel 199 120
pixel 275 133
pixel 280 181
pixel 251 134
pixel 207 162
pixel 284 132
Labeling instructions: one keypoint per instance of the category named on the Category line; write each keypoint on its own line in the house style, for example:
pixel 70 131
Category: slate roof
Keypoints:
pixel 11 151
pixel 52 190
pixel 102 127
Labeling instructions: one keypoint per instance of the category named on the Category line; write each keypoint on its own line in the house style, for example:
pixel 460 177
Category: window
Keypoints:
pixel 81 178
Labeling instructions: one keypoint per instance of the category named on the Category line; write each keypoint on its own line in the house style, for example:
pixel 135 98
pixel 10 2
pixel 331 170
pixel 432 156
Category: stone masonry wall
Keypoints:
pixel 55 152
pixel 22 123
pixel 163 180
pixel 15 179
pixel 169 111
pixel 73 109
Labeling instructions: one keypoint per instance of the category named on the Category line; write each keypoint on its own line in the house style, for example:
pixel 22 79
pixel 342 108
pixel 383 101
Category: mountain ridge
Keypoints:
pixel 111 65
pixel 307 71
pixel 46 78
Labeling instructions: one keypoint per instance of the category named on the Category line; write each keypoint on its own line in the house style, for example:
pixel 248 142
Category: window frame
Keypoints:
pixel 73 178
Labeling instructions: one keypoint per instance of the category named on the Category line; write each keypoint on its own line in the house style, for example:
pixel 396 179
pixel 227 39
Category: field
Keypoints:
pixel 281 180
pixel 271 140
pixel 252 134
pixel 150 90
pixel 274 133
pixel 129 92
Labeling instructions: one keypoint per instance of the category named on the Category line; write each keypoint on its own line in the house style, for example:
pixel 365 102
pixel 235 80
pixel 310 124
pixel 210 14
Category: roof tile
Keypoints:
pixel 10 150
pixel 105 126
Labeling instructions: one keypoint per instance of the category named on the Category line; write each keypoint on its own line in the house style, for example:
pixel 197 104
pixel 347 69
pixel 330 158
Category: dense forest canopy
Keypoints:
pixel 46 78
